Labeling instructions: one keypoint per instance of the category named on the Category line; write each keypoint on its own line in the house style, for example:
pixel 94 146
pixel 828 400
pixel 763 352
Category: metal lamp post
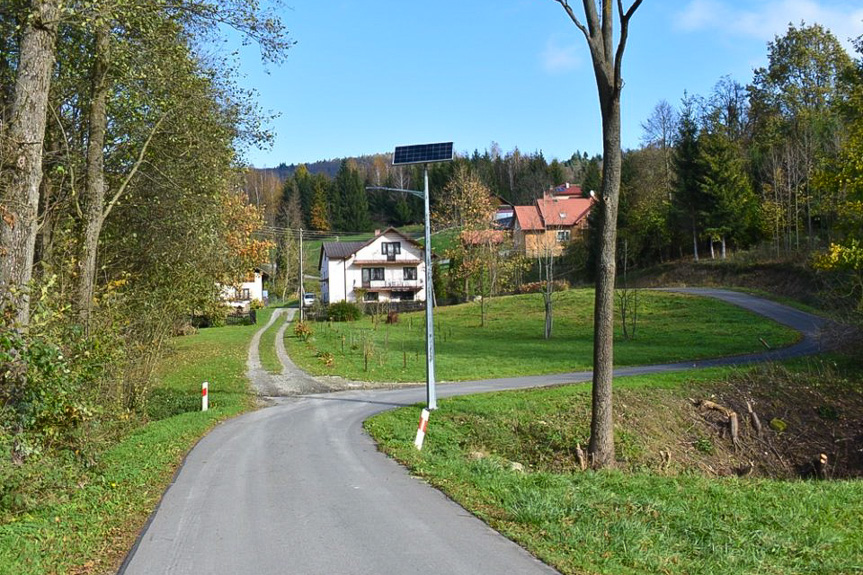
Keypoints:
pixel 424 154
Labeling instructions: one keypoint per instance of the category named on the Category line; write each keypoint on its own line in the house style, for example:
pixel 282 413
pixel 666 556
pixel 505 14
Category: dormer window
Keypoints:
pixel 391 249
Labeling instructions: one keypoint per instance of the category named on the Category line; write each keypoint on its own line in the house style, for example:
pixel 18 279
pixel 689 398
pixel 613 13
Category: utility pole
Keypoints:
pixel 424 154
pixel 302 290
pixel 431 396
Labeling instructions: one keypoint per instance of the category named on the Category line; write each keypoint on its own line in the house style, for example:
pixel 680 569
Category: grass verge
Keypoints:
pixel 98 504
pixel 671 327
pixel 267 348
pixel 641 518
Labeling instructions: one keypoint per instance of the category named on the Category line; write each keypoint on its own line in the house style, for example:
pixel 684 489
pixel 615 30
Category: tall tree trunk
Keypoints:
pixel 601 446
pixel 22 154
pixel 94 192
pixel 607 63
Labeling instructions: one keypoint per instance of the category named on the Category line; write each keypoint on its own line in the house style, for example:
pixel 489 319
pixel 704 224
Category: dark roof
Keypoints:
pixel 341 250
pixel 344 250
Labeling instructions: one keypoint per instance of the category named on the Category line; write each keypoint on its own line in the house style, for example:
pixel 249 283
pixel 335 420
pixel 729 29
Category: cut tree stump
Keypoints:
pixel 730 414
pixel 753 419
pixel 580 457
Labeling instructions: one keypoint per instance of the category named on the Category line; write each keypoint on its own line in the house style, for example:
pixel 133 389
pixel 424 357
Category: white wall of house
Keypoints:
pixel 386 277
pixel 246 292
pixel 332 284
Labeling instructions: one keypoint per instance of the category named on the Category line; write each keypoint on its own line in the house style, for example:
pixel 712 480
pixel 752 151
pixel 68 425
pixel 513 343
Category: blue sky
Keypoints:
pixel 367 75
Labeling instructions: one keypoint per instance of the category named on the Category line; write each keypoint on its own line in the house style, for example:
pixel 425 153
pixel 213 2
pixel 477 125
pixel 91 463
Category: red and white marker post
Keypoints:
pixel 421 429
pixel 205 396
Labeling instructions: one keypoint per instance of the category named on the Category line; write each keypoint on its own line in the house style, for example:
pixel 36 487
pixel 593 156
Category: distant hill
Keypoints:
pixel 327 167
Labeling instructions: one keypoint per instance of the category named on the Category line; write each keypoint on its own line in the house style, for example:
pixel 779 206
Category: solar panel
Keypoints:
pixel 423 154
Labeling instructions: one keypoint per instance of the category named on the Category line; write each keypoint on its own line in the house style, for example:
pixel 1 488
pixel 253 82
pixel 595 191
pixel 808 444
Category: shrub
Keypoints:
pixel 327 358
pixel 303 330
pixel 344 311
pixel 539 287
pixel 393 317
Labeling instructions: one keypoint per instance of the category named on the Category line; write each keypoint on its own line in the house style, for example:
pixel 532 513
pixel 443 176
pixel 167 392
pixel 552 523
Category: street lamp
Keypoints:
pixel 424 154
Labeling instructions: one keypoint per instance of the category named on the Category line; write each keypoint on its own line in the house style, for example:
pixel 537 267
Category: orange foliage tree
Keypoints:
pixel 242 223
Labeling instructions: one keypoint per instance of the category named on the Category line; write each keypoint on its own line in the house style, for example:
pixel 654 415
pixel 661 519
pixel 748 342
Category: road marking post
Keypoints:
pixel 205 396
pixel 421 429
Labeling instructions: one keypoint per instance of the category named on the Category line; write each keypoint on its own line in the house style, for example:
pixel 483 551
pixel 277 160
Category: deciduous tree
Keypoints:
pixel 21 154
pixel 607 59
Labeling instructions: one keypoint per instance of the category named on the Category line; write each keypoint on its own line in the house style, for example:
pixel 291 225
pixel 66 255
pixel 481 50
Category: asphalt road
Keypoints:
pixel 300 488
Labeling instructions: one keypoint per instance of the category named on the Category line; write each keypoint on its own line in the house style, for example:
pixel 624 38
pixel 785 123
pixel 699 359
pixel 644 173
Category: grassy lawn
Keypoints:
pixel 641 518
pixel 671 327
pixel 91 511
pixel 267 347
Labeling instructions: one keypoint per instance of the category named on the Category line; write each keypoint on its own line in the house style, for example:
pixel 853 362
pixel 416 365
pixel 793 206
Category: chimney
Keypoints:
pixel 377 233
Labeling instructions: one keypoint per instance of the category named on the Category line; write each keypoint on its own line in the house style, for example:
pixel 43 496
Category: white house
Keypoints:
pixel 389 267
pixel 240 297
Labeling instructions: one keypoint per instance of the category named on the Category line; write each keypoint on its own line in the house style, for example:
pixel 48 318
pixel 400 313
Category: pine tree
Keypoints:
pixel 687 201
pixel 352 201
pixel 730 206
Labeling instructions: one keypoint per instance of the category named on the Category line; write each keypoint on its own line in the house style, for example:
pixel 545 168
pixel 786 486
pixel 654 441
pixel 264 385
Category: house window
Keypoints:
pixel 410 273
pixel 391 249
pixel 403 295
pixel 373 274
pixel 370 296
pixel 563 235
pixel 244 294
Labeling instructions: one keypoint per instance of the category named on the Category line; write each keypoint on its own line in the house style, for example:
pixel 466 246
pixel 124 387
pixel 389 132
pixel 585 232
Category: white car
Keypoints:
pixel 308 299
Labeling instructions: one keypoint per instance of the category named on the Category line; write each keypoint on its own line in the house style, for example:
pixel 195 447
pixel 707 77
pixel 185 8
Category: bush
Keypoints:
pixel 344 311
pixel 539 287
pixel 45 382
pixel 303 330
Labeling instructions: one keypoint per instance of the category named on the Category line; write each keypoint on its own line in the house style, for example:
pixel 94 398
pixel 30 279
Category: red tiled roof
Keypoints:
pixel 528 218
pixel 563 211
pixel 567 190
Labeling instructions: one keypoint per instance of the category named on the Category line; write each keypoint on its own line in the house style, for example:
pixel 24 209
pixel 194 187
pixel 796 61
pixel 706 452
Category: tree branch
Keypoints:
pixel 68 161
pixel 621 45
pixel 134 169
pixel 574 18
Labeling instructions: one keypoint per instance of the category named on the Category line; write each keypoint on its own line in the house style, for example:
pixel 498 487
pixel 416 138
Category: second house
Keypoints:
pixel 388 267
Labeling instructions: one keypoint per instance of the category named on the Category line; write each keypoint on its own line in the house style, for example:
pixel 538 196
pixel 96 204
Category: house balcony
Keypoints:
pixel 387 262
pixel 405 285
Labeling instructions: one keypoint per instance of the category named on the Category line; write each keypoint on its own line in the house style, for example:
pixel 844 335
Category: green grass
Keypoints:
pixel 267 348
pixel 636 521
pixel 671 327
pixel 443 240
pixel 96 509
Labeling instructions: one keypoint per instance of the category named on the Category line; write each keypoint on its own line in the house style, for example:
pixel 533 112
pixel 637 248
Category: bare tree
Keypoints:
pixel 598 30
pixel 659 130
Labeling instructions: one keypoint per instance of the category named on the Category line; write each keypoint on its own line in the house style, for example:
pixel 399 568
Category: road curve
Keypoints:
pixel 299 488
